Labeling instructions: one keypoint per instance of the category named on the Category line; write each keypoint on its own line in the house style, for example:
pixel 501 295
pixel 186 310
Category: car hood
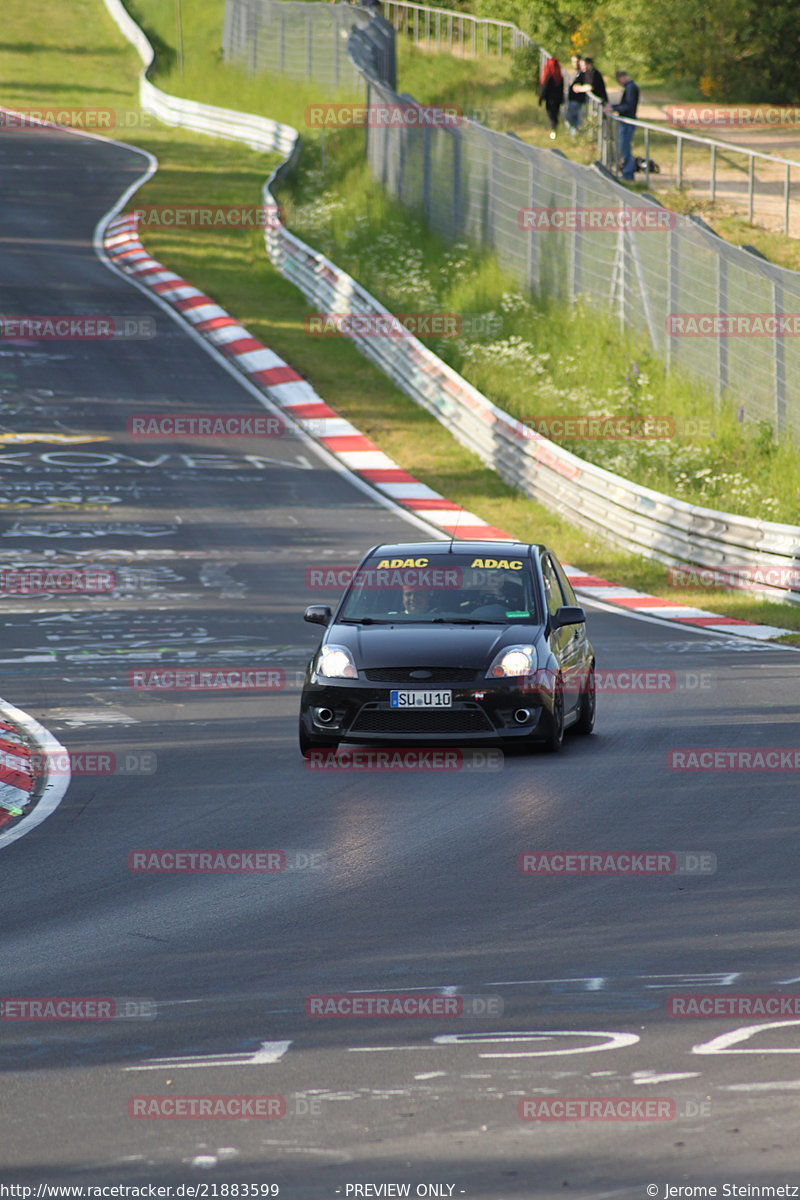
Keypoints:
pixel 429 645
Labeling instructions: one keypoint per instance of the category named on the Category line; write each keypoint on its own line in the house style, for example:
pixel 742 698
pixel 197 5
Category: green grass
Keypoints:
pixel 544 361
pixel 231 265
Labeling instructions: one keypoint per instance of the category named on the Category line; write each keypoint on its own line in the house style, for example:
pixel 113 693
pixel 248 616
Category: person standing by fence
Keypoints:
pixel 576 100
pixel 551 91
pixel 592 80
pixel 626 108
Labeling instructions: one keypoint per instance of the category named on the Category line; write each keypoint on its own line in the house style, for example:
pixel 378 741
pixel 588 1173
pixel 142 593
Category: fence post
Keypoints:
pixel 751 178
pixel 722 342
pixel 426 173
pixel 456 203
pixel 673 279
pixel 713 195
pixel 647 156
pixel 575 244
pixel 488 226
pixel 532 264
pixel 253 32
pixel 780 362
pixel 787 187
pixel 309 50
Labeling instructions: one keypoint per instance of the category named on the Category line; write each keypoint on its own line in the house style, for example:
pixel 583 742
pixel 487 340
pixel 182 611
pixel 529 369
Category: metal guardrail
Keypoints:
pixel 468 35
pixel 609 158
pixel 633 517
pixel 454 30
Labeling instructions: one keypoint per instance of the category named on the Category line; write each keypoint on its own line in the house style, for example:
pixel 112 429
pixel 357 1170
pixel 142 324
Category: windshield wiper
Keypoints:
pixel 361 621
pixel 465 621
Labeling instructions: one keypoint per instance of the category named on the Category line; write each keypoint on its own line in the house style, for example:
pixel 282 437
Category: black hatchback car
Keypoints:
pixel 457 643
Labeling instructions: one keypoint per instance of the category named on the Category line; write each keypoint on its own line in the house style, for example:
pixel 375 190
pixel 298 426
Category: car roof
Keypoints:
pixel 481 548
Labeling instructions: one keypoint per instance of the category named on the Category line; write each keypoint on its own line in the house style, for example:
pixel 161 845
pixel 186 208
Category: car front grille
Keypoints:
pixel 428 720
pixel 434 675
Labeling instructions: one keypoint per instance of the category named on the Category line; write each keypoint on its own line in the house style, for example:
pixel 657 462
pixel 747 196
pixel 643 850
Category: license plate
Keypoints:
pixel 420 699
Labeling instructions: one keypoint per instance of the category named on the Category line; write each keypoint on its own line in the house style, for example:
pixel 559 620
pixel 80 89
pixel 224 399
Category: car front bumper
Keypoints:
pixel 496 712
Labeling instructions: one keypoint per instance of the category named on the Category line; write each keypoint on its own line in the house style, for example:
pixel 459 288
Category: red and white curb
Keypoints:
pixel 294 395
pixel 16 773
pixel 30 790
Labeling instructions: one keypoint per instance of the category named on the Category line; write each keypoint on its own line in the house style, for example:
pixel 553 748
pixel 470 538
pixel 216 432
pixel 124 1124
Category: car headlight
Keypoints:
pixel 336 662
pixel 513 661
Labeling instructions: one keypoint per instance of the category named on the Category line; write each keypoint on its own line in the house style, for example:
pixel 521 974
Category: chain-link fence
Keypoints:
pixel 563 230
pixel 298 39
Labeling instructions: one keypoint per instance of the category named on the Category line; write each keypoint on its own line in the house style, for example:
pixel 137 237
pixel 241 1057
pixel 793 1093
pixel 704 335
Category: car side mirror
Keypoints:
pixel 568 614
pixel 318 614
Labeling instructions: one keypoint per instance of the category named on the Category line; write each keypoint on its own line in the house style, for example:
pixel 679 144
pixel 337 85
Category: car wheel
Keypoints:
pixel 555 736
pixel 308 745
pixel 588 705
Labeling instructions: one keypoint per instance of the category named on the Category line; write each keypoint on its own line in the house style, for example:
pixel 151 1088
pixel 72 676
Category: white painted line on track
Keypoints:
pixel 644 1077
pixel 778 1085
pixel 615 1041
pixel 722 1044
pixel 268 1052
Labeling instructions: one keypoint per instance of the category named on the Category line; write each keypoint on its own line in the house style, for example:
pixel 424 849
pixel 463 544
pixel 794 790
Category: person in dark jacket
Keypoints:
pixel 551 91
pixel 576 99
pixel 627 106
pixel 592 79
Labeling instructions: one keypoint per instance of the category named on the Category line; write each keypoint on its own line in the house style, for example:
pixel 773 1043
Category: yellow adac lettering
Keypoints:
pixel 505 564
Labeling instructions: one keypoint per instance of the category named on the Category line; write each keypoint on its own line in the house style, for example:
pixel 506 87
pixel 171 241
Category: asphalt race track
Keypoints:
pixel 405 881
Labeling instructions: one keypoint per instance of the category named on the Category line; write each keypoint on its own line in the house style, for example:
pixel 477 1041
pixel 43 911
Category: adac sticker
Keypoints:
pixel 402 562
pixel 506 564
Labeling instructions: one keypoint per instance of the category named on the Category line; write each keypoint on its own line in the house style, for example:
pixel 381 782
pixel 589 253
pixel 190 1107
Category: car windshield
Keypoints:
pixel 459 588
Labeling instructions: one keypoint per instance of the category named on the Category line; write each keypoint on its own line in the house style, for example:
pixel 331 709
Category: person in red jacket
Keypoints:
pixel 551 91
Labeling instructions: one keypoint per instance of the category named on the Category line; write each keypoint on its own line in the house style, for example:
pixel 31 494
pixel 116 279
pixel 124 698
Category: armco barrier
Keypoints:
pixel 634 518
